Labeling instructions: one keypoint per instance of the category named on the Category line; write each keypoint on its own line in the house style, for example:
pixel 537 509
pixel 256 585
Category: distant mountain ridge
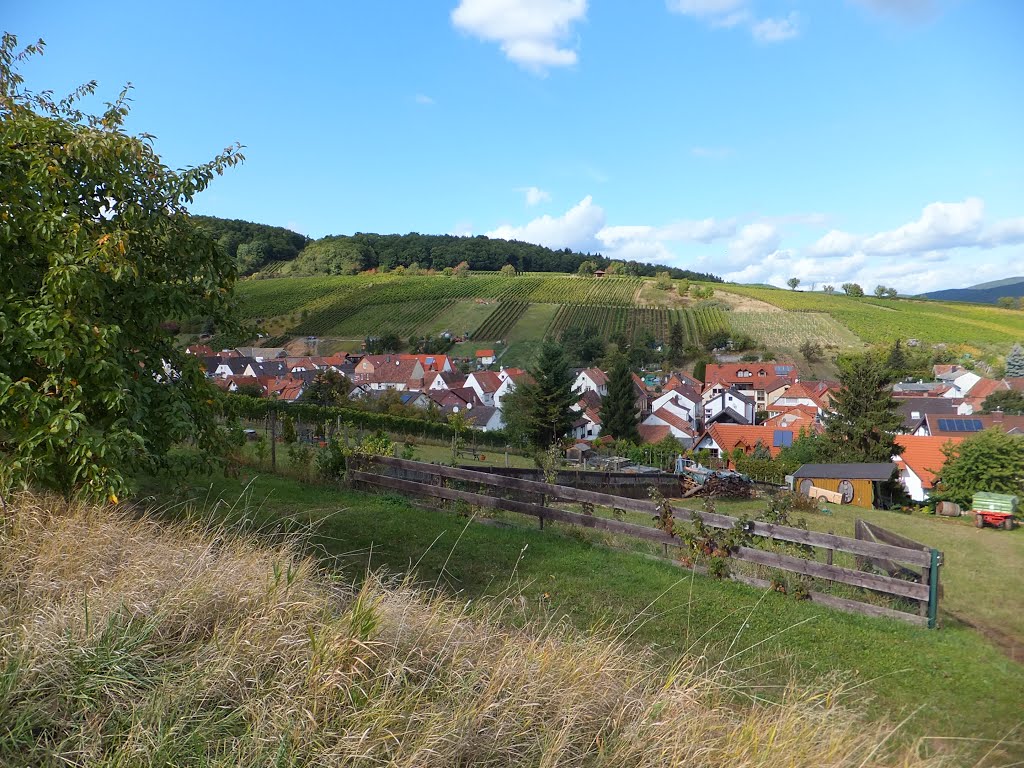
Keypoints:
pixel 267 249
pixel 983 293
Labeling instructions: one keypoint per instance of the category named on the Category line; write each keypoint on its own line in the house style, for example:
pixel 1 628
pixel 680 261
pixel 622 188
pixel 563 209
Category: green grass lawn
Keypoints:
pixel 951 682
pixel 526 336
pixel 983 572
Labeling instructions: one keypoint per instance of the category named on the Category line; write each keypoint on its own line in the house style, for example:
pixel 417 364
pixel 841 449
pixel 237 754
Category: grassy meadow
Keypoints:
pixel 952 686
pixel 128 642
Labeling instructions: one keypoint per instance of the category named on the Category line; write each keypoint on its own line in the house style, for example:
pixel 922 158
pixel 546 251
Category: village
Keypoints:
pixel 740 409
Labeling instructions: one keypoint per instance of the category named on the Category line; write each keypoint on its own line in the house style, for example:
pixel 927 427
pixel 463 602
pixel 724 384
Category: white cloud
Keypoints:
pixel 941 227
pixel 576 229
pixel 776 30
pixel 755 241
pixel 462 229
pixel 535 195
pixel 736 13
pixel 834 243
pixel 423 99
pixel 532 33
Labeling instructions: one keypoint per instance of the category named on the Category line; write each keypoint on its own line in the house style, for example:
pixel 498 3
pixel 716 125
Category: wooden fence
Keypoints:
pixel 533 498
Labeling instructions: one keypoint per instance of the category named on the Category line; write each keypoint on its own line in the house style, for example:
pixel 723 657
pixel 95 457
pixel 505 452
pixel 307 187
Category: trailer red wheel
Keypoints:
pixel 979 521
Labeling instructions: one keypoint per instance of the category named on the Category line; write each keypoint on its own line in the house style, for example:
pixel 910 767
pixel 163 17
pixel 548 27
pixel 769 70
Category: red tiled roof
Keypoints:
pixel 485 353
pixel 728 373
pixel 653 433
pixel 200 350
pixel 1016 383
pixel 430 363
pixel 729 436
pixel 924 455
pixel 596 375
pixel 489 381
pixel 983 389
pixel 674 420
pixel 793 417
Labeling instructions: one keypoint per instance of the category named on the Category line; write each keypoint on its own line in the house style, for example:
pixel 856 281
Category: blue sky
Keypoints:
pixel 834 140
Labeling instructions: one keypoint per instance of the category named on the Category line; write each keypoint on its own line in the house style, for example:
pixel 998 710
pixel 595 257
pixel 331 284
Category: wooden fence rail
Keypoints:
pixel 533 497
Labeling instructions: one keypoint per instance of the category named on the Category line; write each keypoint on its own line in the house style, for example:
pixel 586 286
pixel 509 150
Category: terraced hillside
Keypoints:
pixel 483 306
pixel 520 311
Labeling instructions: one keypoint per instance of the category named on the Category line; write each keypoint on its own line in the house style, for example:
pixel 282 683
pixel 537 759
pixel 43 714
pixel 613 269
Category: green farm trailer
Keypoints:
pixel 995 509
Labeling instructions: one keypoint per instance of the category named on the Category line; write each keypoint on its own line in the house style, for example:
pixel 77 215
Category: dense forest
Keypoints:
pixel 255 246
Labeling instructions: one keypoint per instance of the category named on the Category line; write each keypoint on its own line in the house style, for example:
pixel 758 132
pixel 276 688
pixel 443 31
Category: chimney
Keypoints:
pixel 997 417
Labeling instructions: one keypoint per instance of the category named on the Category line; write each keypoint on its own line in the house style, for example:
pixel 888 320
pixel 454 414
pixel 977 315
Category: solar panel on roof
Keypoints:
pixel 960 425
pixel 782 438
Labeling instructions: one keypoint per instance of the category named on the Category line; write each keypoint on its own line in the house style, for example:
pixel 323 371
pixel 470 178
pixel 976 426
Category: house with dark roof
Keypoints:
pixel 730 406
pixel 642 395
pixel 965 426
pixel 914 409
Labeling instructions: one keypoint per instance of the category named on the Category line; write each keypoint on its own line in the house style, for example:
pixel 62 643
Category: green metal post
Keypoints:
pixel 933 588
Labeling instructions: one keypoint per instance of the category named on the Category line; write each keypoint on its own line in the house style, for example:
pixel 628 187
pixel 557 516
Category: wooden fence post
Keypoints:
pixel 829 552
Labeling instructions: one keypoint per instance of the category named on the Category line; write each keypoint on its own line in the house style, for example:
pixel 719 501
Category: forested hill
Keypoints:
pixel 253 245
pixel 261 247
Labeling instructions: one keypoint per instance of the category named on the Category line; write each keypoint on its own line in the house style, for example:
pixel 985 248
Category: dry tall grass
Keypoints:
pixel 126 642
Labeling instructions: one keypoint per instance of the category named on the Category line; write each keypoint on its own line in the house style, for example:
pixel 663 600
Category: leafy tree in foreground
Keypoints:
pixel 864 419
pixel 619 415
pixel 98 250
pixel 987 461
pixel 540 412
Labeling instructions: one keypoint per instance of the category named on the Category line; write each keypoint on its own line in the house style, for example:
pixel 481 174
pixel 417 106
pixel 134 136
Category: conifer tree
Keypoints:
pixel 1015 363
pixel 540 412
pixel 676 343
pixel 864 421
pixel 619 415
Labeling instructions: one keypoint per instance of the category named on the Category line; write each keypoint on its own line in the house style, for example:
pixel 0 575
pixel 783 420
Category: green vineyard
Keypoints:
pixel 635 322
pixel 501 320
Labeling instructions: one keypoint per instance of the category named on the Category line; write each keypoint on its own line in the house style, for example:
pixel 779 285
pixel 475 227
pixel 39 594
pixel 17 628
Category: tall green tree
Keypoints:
pixel 987 461
pixel 98 251
pixel 619 414
pixel 540 412
pixel 676 343
pixel 864 420
pixel 328 388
